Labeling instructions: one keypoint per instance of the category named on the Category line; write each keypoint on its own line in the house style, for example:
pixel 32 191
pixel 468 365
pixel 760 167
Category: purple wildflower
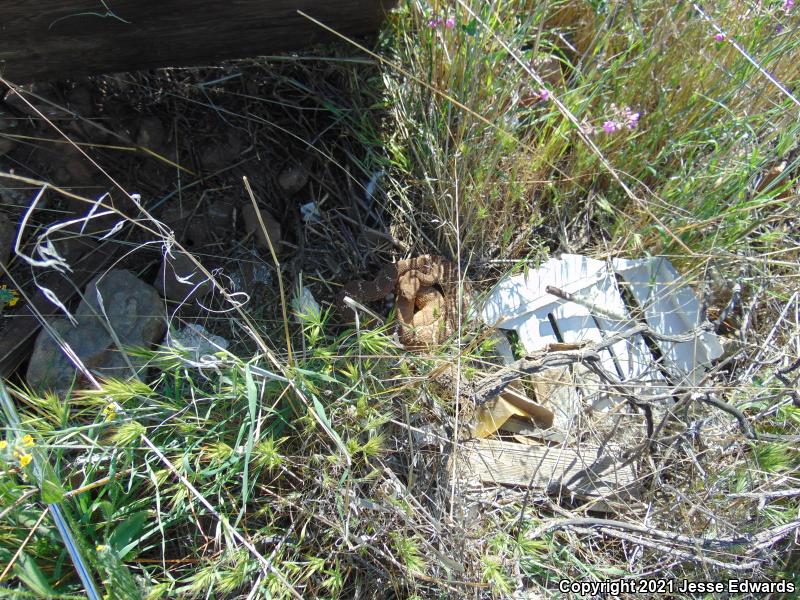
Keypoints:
pixel 544 95
pixel 450 22
pixel 788 5
pixel 434 23
pixel 720 37
pixel 610 126
pixel 630 118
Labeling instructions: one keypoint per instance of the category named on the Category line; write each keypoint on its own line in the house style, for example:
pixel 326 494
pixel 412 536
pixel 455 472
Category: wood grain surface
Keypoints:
pixel 52 39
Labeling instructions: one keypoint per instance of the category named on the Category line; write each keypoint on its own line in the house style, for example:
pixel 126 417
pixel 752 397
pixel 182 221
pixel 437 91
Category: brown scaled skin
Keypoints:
pixel 426 298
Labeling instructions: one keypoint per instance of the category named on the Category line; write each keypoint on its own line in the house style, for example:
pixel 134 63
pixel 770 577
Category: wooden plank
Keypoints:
pixel 52 39
pixel 581 472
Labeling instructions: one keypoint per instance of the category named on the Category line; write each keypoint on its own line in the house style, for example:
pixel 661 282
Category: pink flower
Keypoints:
pixel 610 126
pixel 630 118
pixel 450 23
pixel 544 95
pixel 788 5
pixel 720 37
pixel 434 23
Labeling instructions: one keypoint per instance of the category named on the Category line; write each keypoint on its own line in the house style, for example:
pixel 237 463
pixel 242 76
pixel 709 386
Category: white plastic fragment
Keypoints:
pixel 310 212
pixel 306 306
pixel 196 340
pixel 522 303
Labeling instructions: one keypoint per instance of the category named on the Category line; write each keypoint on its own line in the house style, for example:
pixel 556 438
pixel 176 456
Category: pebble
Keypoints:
pixel 293 179
pixel 253 226
pixel 180 280
pixel 196 340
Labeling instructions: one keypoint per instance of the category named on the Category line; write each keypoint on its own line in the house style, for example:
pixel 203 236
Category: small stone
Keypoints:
pixel 253 226
pixel 8 233
pixel 250 277
pixel 220 215
pixel 192 232
pixel 220 155
pixel 293 179
pixel 130 308
pixel 179 279
pixel 6 146
pixel 151 133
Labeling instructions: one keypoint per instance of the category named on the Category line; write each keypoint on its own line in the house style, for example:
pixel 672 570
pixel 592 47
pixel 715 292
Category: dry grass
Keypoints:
pixel 311 459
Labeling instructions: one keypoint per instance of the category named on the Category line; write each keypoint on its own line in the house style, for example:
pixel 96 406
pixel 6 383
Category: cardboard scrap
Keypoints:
pixel 511 402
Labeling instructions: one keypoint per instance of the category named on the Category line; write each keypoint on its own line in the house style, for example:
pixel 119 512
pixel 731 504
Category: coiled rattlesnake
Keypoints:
pixel 427 293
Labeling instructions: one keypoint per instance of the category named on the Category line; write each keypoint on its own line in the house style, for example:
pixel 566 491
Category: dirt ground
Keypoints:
pixel 183 140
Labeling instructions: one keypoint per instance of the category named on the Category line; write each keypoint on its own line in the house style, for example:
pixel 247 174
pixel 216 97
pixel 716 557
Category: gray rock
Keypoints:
pixel 293 179
pixel 131 311
pixel 180 280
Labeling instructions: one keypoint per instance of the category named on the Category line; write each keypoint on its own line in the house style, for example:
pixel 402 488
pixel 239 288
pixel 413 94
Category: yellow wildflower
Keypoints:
pixel 110 413
pixel 100 547
pixel 28 441
pixel 3 444
pixel 24 460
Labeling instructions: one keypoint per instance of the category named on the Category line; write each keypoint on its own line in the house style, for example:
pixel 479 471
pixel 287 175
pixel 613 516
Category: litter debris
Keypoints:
pixel 310 212
pixel 305 305
pixel 592 305
pixel 510 403
pixel 643 320
pixel 196 340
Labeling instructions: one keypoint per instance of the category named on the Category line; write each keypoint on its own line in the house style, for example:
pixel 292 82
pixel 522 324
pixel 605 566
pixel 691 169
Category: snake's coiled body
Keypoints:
pixel 426 289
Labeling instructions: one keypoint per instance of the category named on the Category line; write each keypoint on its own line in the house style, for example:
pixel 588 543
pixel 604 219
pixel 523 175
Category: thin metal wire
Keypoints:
pixel 85 575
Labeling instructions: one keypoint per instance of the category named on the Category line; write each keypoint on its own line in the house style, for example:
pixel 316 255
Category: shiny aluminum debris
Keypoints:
pixel 598 308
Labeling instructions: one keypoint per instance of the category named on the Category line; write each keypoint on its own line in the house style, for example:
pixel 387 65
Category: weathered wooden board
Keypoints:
pixel 51 39
pixel 579 471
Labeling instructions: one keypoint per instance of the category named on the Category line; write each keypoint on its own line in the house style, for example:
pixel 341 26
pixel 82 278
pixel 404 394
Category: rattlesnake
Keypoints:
pixel 427 298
